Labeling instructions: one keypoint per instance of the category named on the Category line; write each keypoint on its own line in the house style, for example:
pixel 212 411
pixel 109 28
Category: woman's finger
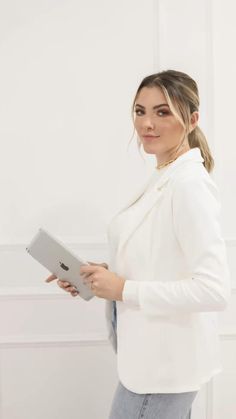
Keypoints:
pixel 63 284
pixel 66 286
pixel 74 293
pixel 71 289
pixel 51 278
pixel 104 265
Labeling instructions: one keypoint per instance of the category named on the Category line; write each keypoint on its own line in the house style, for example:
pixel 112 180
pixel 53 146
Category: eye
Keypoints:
pixel 138 110
pixel 163 112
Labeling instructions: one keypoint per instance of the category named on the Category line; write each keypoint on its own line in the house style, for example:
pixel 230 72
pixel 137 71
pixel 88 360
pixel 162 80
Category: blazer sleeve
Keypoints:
pixel 196 210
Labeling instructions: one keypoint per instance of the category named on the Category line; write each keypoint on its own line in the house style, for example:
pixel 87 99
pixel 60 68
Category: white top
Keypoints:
pixel 117 222
pixel 168 246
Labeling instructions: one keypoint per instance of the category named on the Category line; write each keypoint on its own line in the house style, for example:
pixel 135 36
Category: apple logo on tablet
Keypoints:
pixel 63 266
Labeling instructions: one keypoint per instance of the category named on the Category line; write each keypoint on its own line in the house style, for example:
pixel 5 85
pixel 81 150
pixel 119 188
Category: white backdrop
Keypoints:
pixel 68 74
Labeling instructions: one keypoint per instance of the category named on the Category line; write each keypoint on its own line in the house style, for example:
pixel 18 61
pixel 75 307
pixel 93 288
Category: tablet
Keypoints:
pixel 59 260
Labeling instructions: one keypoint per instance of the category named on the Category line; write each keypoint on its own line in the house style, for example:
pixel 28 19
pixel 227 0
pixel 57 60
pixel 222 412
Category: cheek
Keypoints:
pixel 172 128
pixel 137 124
pixel 176 126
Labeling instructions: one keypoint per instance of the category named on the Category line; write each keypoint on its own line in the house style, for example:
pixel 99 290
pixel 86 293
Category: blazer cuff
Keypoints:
pixel 130 293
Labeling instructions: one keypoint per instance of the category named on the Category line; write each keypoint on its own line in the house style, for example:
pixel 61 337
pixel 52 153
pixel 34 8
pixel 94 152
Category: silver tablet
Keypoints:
pixel 59 260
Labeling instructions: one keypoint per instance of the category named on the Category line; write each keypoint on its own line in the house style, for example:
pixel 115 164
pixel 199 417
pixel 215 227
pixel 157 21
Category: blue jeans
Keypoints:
pixel 129 405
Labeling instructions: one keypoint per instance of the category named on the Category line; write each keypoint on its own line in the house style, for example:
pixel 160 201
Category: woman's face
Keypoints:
pixel 158 129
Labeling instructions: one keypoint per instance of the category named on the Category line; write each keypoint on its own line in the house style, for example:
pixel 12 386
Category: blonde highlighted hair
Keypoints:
pixel 181 93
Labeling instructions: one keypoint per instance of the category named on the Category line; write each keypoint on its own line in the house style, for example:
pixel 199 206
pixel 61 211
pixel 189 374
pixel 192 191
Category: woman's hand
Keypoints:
pixel 103 283
pixel 67 286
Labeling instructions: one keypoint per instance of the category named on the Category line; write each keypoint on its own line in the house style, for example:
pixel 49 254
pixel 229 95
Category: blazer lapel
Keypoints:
pixel 153 196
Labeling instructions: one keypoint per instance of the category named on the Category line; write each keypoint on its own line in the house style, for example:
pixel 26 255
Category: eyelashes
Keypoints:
pixel 142 113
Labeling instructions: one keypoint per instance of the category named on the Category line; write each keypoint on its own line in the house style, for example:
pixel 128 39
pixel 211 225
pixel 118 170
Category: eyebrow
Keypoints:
pixel 154 107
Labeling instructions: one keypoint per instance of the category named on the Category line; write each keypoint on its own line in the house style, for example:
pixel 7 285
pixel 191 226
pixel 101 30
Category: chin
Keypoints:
pixel 149 149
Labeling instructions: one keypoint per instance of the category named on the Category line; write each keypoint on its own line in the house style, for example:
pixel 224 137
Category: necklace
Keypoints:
pixel 166 163
pixel 170 161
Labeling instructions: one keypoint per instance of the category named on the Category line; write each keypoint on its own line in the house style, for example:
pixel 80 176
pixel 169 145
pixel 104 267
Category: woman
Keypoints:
pixel 168 273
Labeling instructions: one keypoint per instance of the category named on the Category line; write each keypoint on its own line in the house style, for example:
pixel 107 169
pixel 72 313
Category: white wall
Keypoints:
pixel 69 71
pixel 68 74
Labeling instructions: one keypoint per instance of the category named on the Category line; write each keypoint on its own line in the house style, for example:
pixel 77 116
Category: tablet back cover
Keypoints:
pixel 59 260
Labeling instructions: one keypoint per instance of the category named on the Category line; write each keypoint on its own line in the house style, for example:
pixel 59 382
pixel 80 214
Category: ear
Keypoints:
pixel 194 120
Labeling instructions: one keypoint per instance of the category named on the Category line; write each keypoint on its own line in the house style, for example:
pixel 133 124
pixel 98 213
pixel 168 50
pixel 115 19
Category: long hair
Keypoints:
pixel 181 93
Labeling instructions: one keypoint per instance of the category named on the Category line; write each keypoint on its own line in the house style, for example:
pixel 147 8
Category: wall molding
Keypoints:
pixel 83 245
pixel 209 399
pixel 156 37
pixel 230 242
pixel 27 293
pixel 209 69
pixel 42 293
pixel 227 335
pixel 38 341
pixel 19 341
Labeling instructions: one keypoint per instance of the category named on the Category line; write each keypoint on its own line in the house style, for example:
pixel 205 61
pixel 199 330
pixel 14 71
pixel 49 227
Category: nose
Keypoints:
pixel 148 123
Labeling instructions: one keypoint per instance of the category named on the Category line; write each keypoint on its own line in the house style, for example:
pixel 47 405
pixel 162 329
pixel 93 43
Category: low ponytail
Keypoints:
pixel 196 138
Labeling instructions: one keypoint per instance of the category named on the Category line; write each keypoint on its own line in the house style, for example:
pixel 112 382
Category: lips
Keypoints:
pixel 150 137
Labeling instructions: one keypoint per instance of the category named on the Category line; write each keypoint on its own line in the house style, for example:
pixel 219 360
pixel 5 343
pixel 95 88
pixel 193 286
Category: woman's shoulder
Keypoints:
pixel 192 172
pixel 193 178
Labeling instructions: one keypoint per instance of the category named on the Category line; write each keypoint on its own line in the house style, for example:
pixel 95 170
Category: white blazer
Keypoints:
pixel 173 257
